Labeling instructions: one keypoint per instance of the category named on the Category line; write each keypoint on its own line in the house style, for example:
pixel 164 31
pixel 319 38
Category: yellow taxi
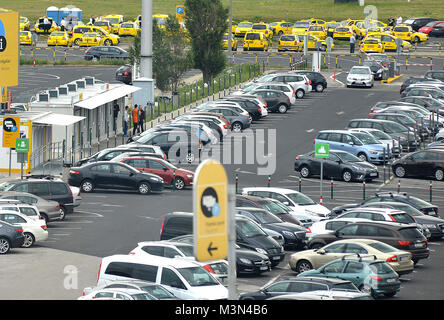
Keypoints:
pixel 317 31
pixel 104 24
pixel 330 27
pixel 234 42
pixel 128 29
pixel 233 26
pixel 59 38
pixel 160 19
pixel 115 20
pixel 371 45
pixel 317 22
pixel 289 42
pixel 343 33
pixel 373 30
pixel 301 27
pixel 90 39
pixel 255 40
pixel 108 38
pixel 24 23
pixel 242 28
pixel 311 45
pixel 262 27
pixel 408 34
pixel 39 26
pixel 389 41
pixel 26 38
pixel 361 29
pixel 281 28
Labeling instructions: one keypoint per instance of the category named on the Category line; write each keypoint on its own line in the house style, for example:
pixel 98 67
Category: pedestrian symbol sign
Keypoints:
pixel 22 145
pixel 321 150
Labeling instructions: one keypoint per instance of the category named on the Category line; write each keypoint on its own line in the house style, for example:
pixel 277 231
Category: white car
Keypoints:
pixel 295 200
pixel 222 103
pixel 360 76
pixel 219 122
pixel 300 82
pixel 33 230
pixel 175 250
pixel 118 294
pixel 204 128
pixel 328 226
pixel 26 209
pixel 306 219
pixel 385 139
pixel 262 104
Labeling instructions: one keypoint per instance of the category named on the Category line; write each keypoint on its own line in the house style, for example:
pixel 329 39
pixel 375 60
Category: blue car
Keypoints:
pixel 360 144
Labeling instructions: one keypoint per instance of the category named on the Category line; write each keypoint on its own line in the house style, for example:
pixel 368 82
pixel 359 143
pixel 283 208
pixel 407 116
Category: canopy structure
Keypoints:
pixel 106 96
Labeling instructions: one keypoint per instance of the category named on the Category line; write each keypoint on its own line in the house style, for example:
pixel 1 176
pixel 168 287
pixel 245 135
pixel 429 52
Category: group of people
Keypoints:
pixel 138 116
pixel 392 21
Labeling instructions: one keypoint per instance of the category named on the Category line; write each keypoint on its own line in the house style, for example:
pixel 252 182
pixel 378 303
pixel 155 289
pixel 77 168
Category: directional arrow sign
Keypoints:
pixel 210 202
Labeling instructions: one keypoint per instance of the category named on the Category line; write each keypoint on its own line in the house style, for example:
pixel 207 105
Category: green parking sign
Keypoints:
pixel 321 150
pixel 21 145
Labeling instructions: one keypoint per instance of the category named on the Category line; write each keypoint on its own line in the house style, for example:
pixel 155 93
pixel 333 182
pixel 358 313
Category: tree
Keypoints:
pixel 206 22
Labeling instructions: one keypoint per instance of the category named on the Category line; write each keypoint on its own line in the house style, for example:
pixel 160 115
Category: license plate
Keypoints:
pixel 402 258
pixel 373 174
pixel 263 268
pixel 391 280
pixel 419 245
pixel 276 258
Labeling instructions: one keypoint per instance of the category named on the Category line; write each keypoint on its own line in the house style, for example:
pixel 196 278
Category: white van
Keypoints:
pixel 185 279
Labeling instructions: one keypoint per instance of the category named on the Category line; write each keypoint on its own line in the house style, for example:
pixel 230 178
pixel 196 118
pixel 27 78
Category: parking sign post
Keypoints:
pixel 321 151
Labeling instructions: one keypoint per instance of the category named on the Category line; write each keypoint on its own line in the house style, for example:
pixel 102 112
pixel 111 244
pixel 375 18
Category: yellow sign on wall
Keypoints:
pixel 11 131
pixel 9 48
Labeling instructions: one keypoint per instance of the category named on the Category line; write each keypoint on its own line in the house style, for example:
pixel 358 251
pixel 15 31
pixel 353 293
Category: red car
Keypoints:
pixel 429 27
pixel 162 168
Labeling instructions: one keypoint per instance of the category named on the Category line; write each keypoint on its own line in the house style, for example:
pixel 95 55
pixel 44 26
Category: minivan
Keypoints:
pixel 185 279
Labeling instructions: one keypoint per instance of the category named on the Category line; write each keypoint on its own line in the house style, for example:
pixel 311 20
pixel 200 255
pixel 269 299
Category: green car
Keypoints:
pixel 370 275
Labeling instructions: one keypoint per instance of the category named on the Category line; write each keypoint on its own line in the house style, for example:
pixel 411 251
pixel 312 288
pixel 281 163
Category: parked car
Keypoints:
pixel 296 285
pixel 435 74
pixel 418 23
pixel 360 76
pixel 113 175
pixel 33 230
pixel 424 164
pixel 412 80
pixel 328 226
pixel 49 188
pixel 238 121
pixel 49 210
pixel 277 101
pixel 10 237
pixel 118 294
pixel 429 26
pixel 415 128
pixel 423 91
pixel 300 83
pixel 247 261
pixel 325 295
pixel 360 144
pixel 294 235
pixel 306 260
pixel 391 144
pixel 284 87
pixel 154 289
pixel 15 205
pixel 338 165
pixel 318 80
pixel 430 103
pixel 376 68
pixel 251 106
pixel 105 155
pixel 97 53
pixel 437 30
pixel 370 275
pixel 184 278
pixel 401 236
pixel 125 74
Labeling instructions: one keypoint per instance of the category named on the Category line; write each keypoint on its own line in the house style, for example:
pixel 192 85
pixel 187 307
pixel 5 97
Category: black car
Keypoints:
pixel 417 23
pixel 247 261
pixel 10 237
pixel 249 235
pixel 294 235
pixel 177 144
pixel 46 187
pixel 399 235
pixel 437 30
pixel 300 284
pixel 125 74
pixel 113 175
pixel 248 104
pixel 105 52
pixel 338 165
pixel 266 204
pixel 434 224
pixel 376 68
pixel 424 164
pixel 318 80
pixel 105 155
pixel 436 74
pixel 277 101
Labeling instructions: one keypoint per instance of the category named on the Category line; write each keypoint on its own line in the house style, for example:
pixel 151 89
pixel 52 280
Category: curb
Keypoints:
pixel 385 183
pixel 390 80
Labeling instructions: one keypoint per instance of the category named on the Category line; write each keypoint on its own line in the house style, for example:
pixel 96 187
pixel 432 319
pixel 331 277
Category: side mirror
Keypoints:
pixel 351 143
pixel 321 251
pixel 286 203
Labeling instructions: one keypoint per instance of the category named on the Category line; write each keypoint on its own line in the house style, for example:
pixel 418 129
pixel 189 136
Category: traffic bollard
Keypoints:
pixel 237 183
pixel 300 184
pixel 399 186
pixel 430 188
pixel 269 181
pixel 331 188
pixel 363 190
pixel 173 184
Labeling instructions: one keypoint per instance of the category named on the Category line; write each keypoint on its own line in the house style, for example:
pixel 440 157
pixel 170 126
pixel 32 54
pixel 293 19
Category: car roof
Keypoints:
pixel 163 243
pixel 335 131
pixel 318 279
pixel 390 224
pixel 272 189
pixel 176 263
pixel 376 210
pixel 248 197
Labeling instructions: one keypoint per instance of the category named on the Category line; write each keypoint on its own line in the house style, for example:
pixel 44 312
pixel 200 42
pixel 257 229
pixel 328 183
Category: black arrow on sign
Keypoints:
pixel 211 249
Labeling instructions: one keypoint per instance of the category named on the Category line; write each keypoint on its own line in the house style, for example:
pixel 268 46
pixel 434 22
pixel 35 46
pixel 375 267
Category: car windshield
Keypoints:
pixel 197 277
pixel 287 38
pixel 112 20
pixel 380 135
pixel 381 268
pixel 57 34
pixel 382 247
pixel 407 208
pixel 365 138
pixel 186 250
pixel 300 198
pixel 157 291
pixel 348 157
pixel 244 25
pixel 401 29
pixel 259 27
pixel 5 186
pixel 252 36
pixel 346 286
pixel 301 25
pixel 265 216
pixel 359 71
pixel 265 78
pixel 419 202
pixel 142 296
pixel 249 229
pixel 271 207
pixel 127 25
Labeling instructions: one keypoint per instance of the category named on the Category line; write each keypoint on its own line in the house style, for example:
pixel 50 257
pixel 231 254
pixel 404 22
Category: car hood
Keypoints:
pixel 284 226
pixel 363 165
pixel 263 242
pixel 358 76
pixel 317 208
pixel 214 292
pixel 250 254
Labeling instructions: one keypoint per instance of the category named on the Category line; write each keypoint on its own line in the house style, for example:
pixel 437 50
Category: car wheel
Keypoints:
pixel 390 294
pixel 144 188
pixel 108 42
pixel 5 245
pixel 367 289
pixel 29 240
pixel 362 156
pixel 179 184
pixel 305 172
pixel 303 265
pixel 439 174
pixel 399 171
pixel 62 213
pixel 300 93
pixel 76 42
pixel 347 176
pixel 87 186
pixel 236 127
pixel 282 108
pixel 45 217
pixel 416 40
pixel 190 158
pixel 319 87
pixel 323 48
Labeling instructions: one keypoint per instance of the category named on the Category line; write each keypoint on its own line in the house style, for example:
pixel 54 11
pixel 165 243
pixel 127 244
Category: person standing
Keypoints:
pixel 141 118
pixel 135 114
pixel 46 25
pixel 125 121
pixel 63 24
pixel 399 20
pixel 116 110
pixel 92 20
pixel 352 43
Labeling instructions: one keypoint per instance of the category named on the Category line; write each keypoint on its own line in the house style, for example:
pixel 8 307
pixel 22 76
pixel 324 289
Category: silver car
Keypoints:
pixel 360 76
